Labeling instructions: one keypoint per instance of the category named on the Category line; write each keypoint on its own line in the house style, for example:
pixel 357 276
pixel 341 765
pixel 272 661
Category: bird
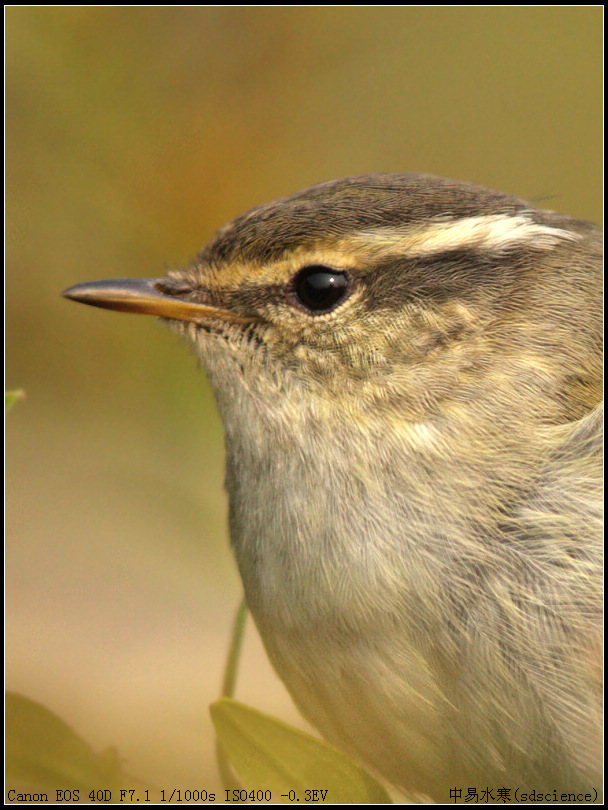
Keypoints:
pixel 408 372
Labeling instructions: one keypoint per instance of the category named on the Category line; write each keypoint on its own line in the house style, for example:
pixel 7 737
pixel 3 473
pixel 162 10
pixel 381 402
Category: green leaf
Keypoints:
pixel 269 754
pixel 43 752
pixel 10 397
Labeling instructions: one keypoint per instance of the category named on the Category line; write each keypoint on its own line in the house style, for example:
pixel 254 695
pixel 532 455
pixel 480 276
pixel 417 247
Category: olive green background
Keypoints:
pixel 132 134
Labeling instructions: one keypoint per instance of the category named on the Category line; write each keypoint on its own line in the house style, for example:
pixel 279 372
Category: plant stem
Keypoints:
pixel 228 688
pixel 236 642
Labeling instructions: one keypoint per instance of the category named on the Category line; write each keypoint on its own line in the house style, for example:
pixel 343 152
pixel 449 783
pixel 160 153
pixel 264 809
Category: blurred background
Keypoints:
pixel 132 134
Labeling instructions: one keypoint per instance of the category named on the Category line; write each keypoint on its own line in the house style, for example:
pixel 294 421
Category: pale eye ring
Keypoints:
pixel 317 289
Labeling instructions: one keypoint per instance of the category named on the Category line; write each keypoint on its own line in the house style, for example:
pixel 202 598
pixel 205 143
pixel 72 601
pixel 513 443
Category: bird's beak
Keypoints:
pixel 148 296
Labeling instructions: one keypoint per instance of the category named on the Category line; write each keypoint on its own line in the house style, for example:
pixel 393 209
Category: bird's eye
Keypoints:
pixel 319 289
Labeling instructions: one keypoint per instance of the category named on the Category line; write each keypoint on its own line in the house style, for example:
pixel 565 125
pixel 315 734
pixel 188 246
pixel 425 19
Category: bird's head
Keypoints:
pixel 404 292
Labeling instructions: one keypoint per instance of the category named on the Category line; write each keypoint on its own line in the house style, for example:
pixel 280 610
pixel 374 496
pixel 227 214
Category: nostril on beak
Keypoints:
pixel 169 286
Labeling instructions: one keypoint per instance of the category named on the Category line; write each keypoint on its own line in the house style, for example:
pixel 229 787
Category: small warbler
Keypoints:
pixel 408 372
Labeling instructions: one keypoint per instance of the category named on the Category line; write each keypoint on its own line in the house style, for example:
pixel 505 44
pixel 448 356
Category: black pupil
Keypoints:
pixel 320 288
